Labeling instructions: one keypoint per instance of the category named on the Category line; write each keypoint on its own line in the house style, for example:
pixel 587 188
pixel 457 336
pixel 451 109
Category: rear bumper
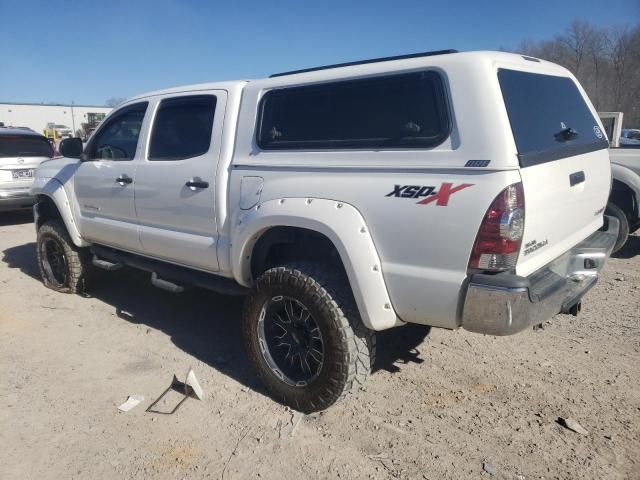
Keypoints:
pixel 15 198
pixel 505 303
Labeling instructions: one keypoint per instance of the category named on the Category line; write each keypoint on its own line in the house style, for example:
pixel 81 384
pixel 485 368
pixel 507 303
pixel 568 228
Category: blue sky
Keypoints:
pixel 88 51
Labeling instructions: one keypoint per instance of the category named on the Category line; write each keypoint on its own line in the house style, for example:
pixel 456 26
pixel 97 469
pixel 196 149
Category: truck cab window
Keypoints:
pixel 182 127
pixel 118 139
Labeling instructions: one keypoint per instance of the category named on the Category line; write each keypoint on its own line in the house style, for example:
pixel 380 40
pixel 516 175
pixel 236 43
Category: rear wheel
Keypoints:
pixel 615 211
pixel 305 337
pixel 63 266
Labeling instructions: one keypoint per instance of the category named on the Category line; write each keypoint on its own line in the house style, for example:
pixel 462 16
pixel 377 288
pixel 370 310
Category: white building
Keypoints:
pixel 37 116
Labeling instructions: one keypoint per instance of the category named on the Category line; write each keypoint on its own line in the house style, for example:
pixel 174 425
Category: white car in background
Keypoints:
pixel 64 131
pixel 57 131
pixel 21 151
pixel 624 151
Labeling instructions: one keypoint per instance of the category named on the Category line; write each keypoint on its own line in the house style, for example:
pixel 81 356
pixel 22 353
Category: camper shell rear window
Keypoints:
pixel 549 117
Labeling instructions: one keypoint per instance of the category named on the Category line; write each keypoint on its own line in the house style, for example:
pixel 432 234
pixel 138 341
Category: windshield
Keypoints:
pixel 549 117
pixel 24 146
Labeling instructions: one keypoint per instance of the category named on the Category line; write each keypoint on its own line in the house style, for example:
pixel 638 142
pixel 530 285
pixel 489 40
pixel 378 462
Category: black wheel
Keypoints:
pixel 615 211
pixel 305 338
pixel 63 266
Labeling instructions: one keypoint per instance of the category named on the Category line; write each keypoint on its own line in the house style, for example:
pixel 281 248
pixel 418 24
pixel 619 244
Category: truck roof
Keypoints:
pixel 403 62
pixel 363 62
pixel 228 85
pixel 400 62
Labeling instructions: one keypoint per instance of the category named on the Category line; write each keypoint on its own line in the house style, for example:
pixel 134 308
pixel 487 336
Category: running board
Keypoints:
pixel 105 264
pixel 168 274
pixel 165 284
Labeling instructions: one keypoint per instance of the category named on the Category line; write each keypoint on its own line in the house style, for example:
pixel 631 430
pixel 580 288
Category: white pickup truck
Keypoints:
pixel 624 200
pixel 446 189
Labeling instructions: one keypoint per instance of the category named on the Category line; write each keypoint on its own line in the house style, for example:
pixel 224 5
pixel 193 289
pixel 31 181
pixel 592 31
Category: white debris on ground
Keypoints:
pixel 572 425
pixel 131 402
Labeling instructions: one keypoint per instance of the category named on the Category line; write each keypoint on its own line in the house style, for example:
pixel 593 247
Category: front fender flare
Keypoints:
pixel 344 226
pixel 628 177
pixel 52 188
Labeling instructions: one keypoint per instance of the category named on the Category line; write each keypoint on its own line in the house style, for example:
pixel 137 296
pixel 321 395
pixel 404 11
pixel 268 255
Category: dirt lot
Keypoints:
pixel 439 405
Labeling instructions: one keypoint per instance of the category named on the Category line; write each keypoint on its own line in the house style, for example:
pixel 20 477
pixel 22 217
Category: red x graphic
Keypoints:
pixel 442 197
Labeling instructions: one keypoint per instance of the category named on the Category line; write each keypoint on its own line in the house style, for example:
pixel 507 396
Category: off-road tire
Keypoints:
pixel 615 211
pixel 349 346
pixel 77 260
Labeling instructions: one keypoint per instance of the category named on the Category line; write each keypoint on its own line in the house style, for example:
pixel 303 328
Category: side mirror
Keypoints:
pixel 71 147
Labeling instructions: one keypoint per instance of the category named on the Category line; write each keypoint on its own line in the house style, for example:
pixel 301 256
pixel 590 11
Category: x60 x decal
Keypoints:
pixel 428 194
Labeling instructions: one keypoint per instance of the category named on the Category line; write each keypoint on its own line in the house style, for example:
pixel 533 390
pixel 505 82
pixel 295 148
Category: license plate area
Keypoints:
pixel 22 174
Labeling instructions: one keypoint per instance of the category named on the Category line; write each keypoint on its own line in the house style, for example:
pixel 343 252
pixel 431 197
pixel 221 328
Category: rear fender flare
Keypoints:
pixel 344 226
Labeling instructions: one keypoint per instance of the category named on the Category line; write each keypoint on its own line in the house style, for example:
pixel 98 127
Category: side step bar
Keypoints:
pixel 168 276
pixel 105 264
pixel 165 284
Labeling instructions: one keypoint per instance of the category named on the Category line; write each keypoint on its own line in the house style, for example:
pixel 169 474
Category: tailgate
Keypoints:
pixel 565 169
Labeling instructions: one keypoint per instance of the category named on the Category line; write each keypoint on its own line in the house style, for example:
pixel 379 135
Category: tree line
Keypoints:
pixel 606 61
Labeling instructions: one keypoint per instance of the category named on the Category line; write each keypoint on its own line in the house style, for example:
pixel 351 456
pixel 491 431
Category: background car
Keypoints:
pixel 630 137
pixel 21 151
pixel 624 153
pixel 64 131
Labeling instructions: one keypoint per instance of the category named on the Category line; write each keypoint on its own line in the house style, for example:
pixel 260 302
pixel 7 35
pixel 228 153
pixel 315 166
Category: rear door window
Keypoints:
pixel 549 117
pixel 182 127
pixel 24 146
pixel 394 111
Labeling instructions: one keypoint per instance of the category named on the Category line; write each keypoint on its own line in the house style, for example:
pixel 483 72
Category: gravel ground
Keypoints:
pixel 440 404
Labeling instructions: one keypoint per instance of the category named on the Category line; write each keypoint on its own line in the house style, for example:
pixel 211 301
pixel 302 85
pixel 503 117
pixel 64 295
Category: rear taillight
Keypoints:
pixel 500 235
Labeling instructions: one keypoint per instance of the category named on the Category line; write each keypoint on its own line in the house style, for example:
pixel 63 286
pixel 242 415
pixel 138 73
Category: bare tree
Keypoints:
pixel 114 101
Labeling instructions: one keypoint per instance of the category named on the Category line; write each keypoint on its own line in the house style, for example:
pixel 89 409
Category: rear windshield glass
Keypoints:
pixel 405 110
pixel 549 117
pixel 24 146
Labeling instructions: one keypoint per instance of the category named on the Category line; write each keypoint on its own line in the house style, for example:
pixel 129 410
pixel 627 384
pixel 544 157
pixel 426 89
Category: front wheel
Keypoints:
pixel 305 337
pixel 63 266
pixel 623 234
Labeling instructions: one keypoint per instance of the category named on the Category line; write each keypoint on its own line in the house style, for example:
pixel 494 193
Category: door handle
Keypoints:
pixel 576 178
pixel 193 183
pixel 124 180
